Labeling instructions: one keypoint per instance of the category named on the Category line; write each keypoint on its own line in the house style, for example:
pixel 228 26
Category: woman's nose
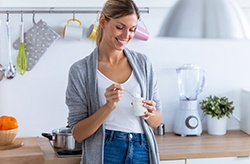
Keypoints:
pixel 126 33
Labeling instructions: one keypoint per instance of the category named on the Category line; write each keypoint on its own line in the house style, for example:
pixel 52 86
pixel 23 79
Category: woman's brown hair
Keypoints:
pixel 116 9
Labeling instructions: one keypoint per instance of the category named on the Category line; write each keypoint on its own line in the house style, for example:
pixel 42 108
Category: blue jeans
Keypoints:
pixel 125 148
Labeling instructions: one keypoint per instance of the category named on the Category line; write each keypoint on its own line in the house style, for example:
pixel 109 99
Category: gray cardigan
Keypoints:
pixel 82 101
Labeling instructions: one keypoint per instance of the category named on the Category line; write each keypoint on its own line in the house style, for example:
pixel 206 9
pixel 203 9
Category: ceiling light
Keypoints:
pixel 206 19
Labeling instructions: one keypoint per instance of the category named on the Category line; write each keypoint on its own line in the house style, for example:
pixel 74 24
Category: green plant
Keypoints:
pixel 217 106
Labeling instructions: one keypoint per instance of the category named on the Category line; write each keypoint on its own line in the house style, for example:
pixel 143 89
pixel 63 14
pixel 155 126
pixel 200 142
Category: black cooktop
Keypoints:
pixel 66 153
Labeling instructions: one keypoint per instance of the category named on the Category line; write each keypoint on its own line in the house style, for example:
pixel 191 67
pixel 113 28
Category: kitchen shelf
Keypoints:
pixel 93 3
pixel 52 10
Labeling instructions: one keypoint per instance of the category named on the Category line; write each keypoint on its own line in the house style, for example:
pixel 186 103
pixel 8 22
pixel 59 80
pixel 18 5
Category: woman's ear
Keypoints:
pixel 102 21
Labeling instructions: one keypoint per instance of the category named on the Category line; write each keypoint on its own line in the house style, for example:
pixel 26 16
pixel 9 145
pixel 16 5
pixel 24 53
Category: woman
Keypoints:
pixel 100 112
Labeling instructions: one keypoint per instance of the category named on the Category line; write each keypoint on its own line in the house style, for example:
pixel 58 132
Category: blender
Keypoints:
pixel 191 81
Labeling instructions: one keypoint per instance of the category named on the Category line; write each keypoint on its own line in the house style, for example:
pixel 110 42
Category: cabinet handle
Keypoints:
pixel 243 157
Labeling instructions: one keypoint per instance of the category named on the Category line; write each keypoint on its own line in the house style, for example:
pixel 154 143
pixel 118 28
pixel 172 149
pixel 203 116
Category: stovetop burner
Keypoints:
pixel 66 153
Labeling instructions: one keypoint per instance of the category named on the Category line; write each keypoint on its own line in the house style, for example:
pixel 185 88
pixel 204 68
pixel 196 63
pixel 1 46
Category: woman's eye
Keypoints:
pixel 133 30
pixel 119 28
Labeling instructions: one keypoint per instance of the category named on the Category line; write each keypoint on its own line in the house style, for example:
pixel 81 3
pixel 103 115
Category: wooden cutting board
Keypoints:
pixel 14 145
pixel 22 151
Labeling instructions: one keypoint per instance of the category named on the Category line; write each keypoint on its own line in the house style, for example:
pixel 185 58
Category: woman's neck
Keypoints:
pixel 107 54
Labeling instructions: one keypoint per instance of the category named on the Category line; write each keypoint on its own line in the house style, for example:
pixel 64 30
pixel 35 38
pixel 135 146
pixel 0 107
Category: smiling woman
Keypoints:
pixel 102 117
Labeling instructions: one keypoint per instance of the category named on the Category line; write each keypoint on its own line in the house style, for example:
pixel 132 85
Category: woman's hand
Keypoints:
pixel 113 94
pixel 152 115
pixel 150 106
pixel 88 126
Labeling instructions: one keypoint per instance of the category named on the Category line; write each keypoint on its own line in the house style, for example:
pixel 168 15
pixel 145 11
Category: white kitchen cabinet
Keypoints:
pixel 225 160
pixel 173 162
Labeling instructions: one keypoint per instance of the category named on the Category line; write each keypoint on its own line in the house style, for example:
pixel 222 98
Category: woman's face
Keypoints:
pixel 118 32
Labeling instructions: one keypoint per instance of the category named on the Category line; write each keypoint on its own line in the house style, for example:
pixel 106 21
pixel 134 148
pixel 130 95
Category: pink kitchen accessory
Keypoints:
pixel 141 33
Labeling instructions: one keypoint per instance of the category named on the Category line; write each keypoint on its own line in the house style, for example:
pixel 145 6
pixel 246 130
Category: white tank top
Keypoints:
pixel 122 118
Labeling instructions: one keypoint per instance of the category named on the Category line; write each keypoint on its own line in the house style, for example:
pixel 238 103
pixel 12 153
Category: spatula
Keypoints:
pixel 21 58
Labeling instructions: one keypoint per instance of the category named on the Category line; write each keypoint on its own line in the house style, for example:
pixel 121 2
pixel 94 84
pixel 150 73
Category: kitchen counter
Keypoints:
pixel 234 144
pixel 22 151
pixel 171 147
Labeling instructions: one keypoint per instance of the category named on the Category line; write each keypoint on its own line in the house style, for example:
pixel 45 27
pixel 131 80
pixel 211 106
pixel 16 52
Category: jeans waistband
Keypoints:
pixel 126 136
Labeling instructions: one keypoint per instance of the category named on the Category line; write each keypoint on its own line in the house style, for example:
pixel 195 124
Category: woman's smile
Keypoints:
pixel 122 42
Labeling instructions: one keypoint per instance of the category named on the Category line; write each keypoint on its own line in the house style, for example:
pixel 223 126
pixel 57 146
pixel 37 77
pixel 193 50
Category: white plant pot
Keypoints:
pixel 216 126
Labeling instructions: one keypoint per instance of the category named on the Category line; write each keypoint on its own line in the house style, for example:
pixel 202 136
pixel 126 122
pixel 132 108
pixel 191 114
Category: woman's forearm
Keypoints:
pixel 88 126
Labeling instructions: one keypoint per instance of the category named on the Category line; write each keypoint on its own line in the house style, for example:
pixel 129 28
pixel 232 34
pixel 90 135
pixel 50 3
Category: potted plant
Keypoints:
pixel 217 109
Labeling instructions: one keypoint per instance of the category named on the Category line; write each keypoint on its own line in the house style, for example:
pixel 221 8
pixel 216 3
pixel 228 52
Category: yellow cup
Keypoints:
pixel 91 33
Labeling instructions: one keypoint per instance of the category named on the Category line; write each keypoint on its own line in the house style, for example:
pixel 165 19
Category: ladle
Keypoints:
pixel 1 72
pixel 10 71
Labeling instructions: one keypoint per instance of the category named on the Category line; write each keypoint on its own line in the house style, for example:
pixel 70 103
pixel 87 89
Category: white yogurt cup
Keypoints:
pixel 139 110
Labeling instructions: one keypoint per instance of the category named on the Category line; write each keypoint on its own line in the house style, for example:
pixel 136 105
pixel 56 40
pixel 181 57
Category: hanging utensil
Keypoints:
pixel 21 58
pixel 2 69
pixel 10 71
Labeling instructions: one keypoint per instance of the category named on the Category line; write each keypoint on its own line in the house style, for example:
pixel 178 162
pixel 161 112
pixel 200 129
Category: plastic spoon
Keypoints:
pixel 129 93
pixel 21 58
pixel 135 95
pixel 10 71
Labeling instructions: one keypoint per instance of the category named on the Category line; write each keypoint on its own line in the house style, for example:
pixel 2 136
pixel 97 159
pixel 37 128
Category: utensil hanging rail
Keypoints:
pixel 58 11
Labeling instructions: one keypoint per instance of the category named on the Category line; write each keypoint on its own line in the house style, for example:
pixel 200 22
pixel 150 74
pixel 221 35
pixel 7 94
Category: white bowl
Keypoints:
pixel 7 137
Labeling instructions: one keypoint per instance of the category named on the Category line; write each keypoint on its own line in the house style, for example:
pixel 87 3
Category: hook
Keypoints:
pixel 144 11
pixel 50 10
pixel 33 18
pixel 98 15
pixel 21 16
pixel 74 16
pixel 8 18
pixel 143 24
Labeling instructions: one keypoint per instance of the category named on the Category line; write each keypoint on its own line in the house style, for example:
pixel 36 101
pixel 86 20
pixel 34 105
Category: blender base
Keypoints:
pixel 187 120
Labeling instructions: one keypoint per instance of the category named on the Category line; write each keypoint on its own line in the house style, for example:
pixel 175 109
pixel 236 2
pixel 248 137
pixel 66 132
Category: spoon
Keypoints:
pixel 135 95
pixel 129 93
pixel 10 71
